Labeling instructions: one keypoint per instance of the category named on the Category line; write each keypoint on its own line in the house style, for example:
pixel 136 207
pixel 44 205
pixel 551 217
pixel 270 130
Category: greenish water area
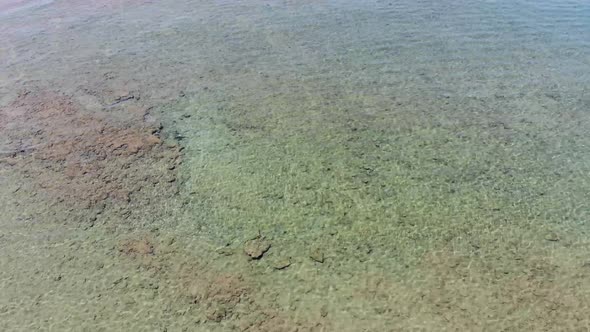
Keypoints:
pixel 359 165
pixel 401 126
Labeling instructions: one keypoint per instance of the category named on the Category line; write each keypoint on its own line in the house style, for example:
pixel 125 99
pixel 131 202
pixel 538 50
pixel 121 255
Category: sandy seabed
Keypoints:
pixel 294 166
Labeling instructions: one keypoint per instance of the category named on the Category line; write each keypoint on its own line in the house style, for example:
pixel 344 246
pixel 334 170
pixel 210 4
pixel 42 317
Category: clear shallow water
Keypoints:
pixel 390 117
pixel 434 153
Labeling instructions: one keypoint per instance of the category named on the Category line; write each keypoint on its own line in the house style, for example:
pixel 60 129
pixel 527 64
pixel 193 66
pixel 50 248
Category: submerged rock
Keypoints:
pixel 317 255
pixel 216 314
pixel 256 248
pixel 552 236
pixel 282 263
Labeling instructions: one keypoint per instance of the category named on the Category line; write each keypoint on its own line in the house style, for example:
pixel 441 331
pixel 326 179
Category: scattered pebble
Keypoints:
pixel 317 255
pixel 169 240
pixel 217 314
pixel 225 251
pixel 282 263
pixel 324 311
pixel 552 236
pixel 256 248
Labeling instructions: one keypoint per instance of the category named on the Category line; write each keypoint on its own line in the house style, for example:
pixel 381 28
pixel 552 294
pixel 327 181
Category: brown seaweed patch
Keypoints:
pixel 455 292
pixel 216 294
pixel 82 158
pixel 134 247
pixel 235 298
